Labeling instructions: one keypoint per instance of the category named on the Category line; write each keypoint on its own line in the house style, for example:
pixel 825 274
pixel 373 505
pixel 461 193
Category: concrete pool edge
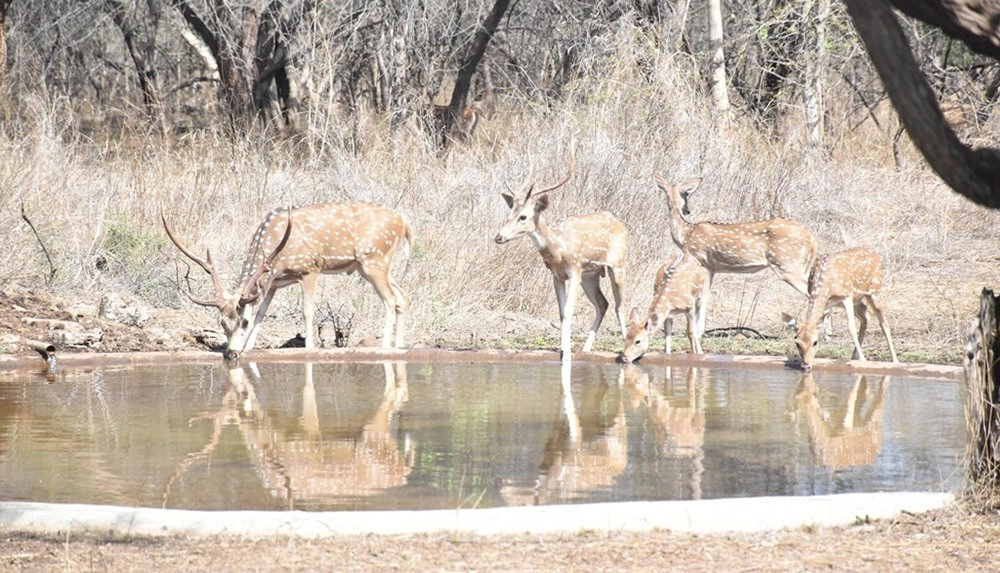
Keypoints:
pixel 730 515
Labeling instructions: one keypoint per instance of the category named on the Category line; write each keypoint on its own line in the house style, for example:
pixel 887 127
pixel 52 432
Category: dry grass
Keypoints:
pixel 96 208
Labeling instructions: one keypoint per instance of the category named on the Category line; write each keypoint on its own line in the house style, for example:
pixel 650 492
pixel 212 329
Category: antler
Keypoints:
pixel 206 264
pixel 572 166
pixel 524 189
pixel 251 290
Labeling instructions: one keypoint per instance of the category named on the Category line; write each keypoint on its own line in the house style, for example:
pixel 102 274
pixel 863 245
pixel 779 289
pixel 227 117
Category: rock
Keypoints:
pixel 82 310
pixel 124 309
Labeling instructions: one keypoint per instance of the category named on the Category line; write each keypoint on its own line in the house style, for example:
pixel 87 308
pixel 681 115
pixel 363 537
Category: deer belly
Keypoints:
pixel 722 262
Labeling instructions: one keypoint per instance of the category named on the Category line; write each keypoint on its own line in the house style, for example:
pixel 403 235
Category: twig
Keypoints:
pixel 731 330
pixel 52 268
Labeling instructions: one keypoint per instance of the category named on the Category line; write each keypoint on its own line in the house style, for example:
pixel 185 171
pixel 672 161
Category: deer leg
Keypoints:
pixel 852 328
pixel 560 286
pixel 309 283
pixel 826 326
pixel 592 288
pixel 706 294
pixel 693 334
pixel 401 306
pixel 668 329
pixel 617 282
pixel 383 286
pixel 861 312
pixel 880 315
pixel 257 319
pixel 566 316
pixel 799 280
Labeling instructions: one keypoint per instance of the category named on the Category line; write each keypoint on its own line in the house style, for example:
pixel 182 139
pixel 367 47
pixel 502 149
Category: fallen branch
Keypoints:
pixel 52 268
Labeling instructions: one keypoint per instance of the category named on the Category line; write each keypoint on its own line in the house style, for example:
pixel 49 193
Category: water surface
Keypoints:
pixel 395 435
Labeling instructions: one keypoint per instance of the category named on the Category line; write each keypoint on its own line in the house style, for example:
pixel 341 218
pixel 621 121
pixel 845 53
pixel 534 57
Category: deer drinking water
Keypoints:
pixel 784 246
pixel 853 278
pixel 578 250
pixel 298 245
pixel 679 289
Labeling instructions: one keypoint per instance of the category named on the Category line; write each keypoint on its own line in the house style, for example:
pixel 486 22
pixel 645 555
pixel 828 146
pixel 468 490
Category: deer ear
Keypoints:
pixel 542 203
pixel 508 198
pixel 634 317
pixel 654 321
pixel 788 320
pixel 688 187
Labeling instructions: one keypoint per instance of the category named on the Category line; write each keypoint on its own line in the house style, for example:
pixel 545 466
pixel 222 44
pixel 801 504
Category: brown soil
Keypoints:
pixel 947 540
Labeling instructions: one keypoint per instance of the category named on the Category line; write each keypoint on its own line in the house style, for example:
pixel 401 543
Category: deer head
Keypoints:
pixel 639 332
pixel 526 204
pixel 678 194
pixel 236 309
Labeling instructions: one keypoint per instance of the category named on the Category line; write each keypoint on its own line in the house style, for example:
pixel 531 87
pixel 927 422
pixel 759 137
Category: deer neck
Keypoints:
pixel 814 312
pixel 545 239
pixel 679 228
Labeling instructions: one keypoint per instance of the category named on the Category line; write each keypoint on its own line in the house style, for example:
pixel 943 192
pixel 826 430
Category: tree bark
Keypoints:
pixel 974 174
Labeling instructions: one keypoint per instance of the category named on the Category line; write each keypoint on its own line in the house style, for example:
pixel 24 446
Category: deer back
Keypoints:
pixel 850 273
pixel 740 247
pixel 682 285
pixel 325 238
pixel 589 242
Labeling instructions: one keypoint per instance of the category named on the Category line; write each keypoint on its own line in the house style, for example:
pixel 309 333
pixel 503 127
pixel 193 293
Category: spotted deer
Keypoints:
pixel 854 279
pixel 298 245
pixel 578 250
pixel 679 289
pixel 784 246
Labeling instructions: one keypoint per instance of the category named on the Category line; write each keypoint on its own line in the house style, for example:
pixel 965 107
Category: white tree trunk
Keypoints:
pixel 815 67
pixel 718 65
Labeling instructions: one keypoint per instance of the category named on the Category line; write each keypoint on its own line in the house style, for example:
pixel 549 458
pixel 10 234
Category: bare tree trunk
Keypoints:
pixel 141 52
pixel 249 45
pixel 815 68
pixel 718 82
pixel 468 66
pixel 4 6
pixel 678 19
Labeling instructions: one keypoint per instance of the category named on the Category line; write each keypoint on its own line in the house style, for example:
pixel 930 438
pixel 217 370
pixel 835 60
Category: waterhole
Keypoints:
pixel 412 435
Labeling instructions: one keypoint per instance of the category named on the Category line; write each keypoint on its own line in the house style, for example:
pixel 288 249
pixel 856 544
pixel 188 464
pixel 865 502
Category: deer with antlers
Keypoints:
pixel 679 289
pixel 298 245
pixel 579 250
pixel 852 278
pixel 784 246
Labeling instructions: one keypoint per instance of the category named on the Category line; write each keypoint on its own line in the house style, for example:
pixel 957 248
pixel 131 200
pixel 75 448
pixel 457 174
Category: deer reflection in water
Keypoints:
pixel 306 466
pixel 854 436
pixel 678 421
pixel 587 450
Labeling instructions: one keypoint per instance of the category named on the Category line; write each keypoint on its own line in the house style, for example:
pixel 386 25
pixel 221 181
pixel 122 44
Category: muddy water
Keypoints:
pixel 331 436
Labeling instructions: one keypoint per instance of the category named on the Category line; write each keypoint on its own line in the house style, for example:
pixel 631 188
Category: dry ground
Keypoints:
pixel 954 539
pixel 946 540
